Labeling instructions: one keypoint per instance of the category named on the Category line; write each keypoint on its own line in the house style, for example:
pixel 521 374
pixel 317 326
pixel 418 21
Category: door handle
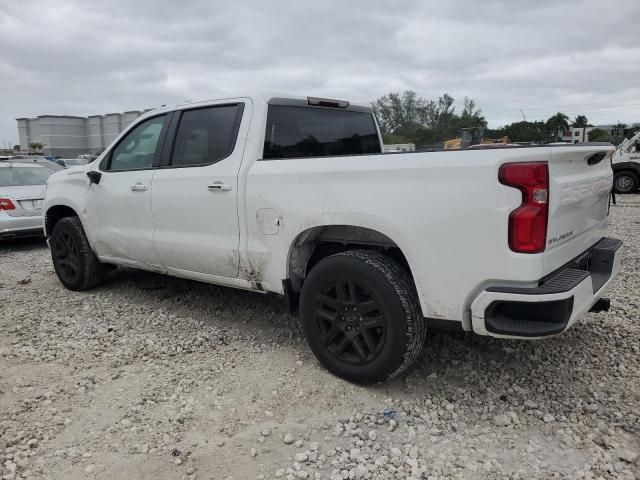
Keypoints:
pixel 138 187
pixel 219 186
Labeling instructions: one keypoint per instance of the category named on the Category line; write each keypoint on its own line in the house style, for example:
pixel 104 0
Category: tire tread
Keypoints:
pixel 399 279
pixel 634 177
pixel 93 270
pixel 397 287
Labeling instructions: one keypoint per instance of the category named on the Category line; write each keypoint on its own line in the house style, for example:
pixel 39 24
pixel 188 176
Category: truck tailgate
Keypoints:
pixel 580 179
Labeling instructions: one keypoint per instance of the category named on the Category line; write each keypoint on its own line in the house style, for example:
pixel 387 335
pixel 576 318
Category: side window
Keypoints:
pixel 206 135
pixel 137 149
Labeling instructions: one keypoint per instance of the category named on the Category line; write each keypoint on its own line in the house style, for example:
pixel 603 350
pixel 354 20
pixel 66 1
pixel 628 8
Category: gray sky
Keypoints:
pixel 85 57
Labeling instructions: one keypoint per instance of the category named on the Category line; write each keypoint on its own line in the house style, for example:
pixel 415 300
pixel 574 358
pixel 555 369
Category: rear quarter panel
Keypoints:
pixel 445 210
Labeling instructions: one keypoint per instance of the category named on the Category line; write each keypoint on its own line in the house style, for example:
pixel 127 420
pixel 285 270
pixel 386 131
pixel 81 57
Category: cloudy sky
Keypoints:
pixel 87 57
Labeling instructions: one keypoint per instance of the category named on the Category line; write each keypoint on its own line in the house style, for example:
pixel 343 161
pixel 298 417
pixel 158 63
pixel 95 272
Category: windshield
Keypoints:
pixel 19 176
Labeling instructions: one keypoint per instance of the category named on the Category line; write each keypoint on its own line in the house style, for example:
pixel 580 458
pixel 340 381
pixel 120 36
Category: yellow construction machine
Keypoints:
pixel 472 136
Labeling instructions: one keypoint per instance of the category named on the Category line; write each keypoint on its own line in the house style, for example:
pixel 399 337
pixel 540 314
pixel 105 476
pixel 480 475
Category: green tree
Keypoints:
pixel 523 131
pixel 599 135
pixel 389 138
pixel 556 124
pixel 400 113
pixel 424 122
pixel 441 112
pixel 580 121
pixel 36 146
pixel 16 148
pixel 471 115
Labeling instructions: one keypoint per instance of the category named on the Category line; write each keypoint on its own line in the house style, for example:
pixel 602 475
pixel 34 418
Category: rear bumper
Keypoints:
pixel 557 301
pixel 19 227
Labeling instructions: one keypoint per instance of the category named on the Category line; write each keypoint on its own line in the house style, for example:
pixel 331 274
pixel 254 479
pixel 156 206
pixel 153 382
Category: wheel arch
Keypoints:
pixel 622 166
pixel 316 243
pixel 56 213
pixel 332 321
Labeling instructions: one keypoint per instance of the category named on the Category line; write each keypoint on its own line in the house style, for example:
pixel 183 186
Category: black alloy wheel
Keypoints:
pixel 351 321
pixel 64 251
pixel 361 316
pixel 75 263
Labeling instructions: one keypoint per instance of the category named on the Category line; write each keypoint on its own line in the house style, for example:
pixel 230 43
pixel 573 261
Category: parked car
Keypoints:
pixel 38 160
pixel 70 162
pixel 22 188
pixel 294 196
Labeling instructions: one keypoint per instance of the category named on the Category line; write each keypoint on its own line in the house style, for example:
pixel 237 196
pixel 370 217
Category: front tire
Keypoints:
pixel 75 263
pixel 625 182
pixel 361 316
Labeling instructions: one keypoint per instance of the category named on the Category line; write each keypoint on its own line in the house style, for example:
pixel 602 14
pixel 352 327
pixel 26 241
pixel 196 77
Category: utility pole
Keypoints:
pixel 523 115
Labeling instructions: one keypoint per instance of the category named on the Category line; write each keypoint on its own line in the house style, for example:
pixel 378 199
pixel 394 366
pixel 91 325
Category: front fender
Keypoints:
pixel 633 166
pixel 67 188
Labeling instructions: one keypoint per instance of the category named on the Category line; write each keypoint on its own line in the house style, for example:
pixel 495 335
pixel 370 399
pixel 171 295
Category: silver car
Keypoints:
pixel 42 161
pixel 70 162
pixel 22 188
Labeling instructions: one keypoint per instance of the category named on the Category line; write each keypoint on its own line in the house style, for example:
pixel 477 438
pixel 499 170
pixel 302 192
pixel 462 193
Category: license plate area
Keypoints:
pixel 596 262
pixel 583 262
pixel 31 205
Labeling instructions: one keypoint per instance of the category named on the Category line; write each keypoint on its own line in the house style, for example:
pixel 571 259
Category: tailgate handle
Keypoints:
pixel 596 158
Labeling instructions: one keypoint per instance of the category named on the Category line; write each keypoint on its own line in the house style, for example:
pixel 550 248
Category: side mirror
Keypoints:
pixel 94 177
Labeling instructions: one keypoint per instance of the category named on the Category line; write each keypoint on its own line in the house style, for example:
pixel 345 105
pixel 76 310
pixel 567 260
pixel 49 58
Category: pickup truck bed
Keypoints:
pixel 294 196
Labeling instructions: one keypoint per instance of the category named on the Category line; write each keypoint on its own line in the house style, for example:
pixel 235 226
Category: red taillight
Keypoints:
pixel 528 222
pixel 6 204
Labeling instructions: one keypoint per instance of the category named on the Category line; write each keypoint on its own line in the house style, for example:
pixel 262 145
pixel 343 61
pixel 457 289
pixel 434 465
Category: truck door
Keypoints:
pixel 195 190
pixel 119 207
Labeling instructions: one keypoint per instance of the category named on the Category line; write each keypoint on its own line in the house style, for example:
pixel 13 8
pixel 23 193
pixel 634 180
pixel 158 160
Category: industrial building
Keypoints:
pixel 68 136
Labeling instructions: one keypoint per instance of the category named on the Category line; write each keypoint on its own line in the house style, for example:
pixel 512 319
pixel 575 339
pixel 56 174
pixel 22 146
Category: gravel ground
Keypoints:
pixel 158 378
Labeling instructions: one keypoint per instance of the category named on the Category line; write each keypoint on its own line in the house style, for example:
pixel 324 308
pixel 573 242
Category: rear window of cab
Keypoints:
pixel 300 131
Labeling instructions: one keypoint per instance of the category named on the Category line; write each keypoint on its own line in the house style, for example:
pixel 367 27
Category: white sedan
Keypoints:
pixel 22 187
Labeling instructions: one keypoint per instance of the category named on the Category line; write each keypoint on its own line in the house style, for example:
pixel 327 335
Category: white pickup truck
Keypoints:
pixel 625 162
pixel 294 196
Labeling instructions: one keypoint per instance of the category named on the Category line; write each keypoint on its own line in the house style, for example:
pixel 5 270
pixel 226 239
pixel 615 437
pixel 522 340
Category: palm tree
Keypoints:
pixel 559 122
pixel 36 146
pixel 580 121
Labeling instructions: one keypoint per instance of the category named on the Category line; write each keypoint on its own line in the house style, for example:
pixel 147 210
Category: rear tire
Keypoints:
pixel 625 181
pixel 75 263
pixel 361 316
